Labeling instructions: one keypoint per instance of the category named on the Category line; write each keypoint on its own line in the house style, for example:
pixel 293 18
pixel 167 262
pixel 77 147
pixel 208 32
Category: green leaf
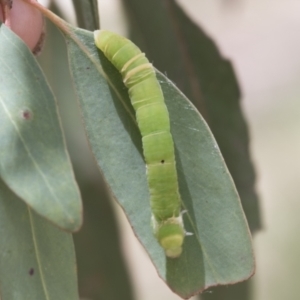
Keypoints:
pixel 34 161
pixel 240 291
pixel 167 35
pixel 220 251
pixel 37 260
pixel 98 239
pixel 100 277
pixel 87 14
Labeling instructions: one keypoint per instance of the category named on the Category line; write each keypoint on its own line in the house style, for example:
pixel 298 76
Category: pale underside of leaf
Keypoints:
pixel 37 260
pixel 34 161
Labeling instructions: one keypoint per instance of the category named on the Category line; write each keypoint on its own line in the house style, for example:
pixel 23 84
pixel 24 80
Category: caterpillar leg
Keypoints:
pixel 188 233
pixel 185 232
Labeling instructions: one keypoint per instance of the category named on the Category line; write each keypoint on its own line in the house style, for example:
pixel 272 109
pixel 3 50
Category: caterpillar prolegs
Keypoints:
pixel 154 124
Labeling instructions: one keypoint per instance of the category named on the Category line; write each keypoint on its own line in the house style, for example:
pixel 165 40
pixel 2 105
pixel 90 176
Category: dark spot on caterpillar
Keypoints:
pixel 31 271
pixel 162 161
pixel 87 68
pixel 26 114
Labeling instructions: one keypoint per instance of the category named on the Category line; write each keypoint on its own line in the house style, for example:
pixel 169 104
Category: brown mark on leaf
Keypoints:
pixel 39 46
pixel 27 114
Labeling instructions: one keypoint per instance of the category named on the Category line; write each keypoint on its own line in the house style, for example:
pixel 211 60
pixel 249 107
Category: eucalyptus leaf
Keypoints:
pixel 87 14
pixel 34 161
pixel 98 239
pixel 220 250
pixel 234 292
pixel 37 260
pixel 98 248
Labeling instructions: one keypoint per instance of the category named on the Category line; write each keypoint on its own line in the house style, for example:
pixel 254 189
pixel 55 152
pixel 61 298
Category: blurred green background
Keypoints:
pixel 261 37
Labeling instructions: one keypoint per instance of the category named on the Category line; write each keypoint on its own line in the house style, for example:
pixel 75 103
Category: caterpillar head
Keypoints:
pixel 170 235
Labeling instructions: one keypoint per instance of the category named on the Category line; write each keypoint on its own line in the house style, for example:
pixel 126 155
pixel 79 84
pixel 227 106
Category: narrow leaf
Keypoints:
pixel 34 161
pixel 101 269
pixel 240 291
pixel 98 239
pixel 87 14
pixel 37 260
pixel 220 251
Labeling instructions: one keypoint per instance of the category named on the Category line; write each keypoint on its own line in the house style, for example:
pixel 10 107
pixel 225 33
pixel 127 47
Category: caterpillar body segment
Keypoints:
pixel 158 147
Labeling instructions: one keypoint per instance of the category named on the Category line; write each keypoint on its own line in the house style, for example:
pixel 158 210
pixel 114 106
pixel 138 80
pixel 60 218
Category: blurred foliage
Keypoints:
pixel 240 291
pixel 189 57
pixel 102 273
pixel 101 268
pixel 87 14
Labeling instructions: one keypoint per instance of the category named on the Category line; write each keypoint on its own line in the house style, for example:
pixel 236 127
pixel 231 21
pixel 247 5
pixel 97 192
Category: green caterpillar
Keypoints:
pixel 158 147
